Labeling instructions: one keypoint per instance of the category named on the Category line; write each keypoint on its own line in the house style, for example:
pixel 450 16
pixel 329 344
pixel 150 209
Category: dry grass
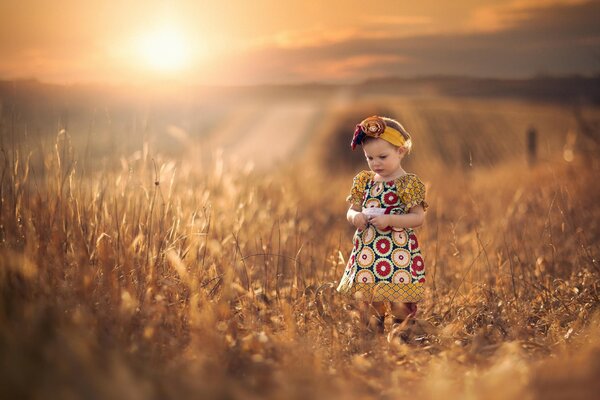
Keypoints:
pixel 159 279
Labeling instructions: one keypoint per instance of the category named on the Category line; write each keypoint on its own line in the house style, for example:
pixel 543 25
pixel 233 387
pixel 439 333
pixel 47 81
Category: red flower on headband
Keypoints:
pixel 358 137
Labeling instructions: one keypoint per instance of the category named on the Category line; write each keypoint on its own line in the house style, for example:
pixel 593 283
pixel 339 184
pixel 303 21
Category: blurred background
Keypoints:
pixel 272 82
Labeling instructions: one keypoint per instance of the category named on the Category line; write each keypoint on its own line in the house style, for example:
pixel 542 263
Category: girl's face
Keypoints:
pixel 383 157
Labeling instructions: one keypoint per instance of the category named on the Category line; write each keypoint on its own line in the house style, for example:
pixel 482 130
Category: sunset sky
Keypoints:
pixel 273 41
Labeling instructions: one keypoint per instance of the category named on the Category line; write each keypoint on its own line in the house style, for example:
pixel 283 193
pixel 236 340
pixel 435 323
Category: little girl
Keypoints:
pixel 386 202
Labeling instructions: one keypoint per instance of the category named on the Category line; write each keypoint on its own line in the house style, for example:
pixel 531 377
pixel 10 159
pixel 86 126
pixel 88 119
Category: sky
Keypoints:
pixel 230 42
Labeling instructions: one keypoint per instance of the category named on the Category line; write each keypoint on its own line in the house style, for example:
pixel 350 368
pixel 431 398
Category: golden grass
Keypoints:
pixel 161 279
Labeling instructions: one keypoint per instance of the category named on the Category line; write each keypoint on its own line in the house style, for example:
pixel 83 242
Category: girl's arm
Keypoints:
pixel 356 217
pixel 414 218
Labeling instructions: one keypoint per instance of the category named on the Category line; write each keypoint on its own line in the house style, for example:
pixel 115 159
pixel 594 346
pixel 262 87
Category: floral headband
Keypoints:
pixel 375 127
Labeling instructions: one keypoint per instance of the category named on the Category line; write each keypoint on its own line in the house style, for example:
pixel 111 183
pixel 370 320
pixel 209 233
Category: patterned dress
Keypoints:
pixel 386 264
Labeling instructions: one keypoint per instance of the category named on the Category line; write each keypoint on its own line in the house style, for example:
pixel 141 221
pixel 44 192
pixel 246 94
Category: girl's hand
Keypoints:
pixel 359 220
pixel 380 221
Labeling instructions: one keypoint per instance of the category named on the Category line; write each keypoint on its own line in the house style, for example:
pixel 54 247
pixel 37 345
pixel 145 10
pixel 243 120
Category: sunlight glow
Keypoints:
pixel 164 50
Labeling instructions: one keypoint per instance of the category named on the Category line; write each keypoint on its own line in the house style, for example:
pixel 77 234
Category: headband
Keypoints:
pixel 375 127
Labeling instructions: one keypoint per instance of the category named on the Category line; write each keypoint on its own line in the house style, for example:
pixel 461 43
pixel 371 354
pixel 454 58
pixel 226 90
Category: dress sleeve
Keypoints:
pixel 413 193
pixel 357 193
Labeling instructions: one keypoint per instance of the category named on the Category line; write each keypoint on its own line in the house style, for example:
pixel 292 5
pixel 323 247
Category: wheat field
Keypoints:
pixel 152 273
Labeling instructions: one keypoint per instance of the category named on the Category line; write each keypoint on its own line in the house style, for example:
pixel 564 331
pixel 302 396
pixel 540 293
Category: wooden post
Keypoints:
pixel 466 156
pixel 531 146
pixel 64 120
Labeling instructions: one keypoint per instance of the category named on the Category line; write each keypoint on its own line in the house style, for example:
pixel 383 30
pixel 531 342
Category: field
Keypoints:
pixel 189 248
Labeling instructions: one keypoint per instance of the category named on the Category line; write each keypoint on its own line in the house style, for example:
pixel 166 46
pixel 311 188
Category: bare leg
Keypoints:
pixel 403 311
pixel 373 315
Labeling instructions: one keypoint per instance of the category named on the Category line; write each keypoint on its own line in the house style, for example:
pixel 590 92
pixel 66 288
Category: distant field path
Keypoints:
pixel 265 135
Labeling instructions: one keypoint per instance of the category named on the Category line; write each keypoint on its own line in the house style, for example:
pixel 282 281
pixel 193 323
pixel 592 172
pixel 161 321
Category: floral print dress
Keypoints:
pixel 386 264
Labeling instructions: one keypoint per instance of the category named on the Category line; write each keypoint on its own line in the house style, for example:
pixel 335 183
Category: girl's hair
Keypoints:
pixel 392 123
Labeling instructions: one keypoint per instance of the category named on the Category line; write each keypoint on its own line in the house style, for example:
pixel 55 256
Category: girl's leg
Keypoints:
pixel 402 311
pixel 374 315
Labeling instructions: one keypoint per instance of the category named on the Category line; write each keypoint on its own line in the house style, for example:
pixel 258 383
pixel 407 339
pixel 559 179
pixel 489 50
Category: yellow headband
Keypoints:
pixel 375 127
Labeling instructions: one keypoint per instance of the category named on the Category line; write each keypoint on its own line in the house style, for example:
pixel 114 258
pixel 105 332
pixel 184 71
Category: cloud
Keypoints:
pixel 497 17
pixel 398 20
pixel 350 67
pixel 560 38
pixel 367 27
pixel 297 39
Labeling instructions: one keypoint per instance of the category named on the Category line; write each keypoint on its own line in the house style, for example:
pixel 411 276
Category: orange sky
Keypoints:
pixel 275 41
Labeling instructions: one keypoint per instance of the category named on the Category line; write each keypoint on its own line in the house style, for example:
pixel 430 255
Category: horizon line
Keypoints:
pixel 324 83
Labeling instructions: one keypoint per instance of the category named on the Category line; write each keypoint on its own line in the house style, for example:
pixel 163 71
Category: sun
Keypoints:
pixel 164 50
